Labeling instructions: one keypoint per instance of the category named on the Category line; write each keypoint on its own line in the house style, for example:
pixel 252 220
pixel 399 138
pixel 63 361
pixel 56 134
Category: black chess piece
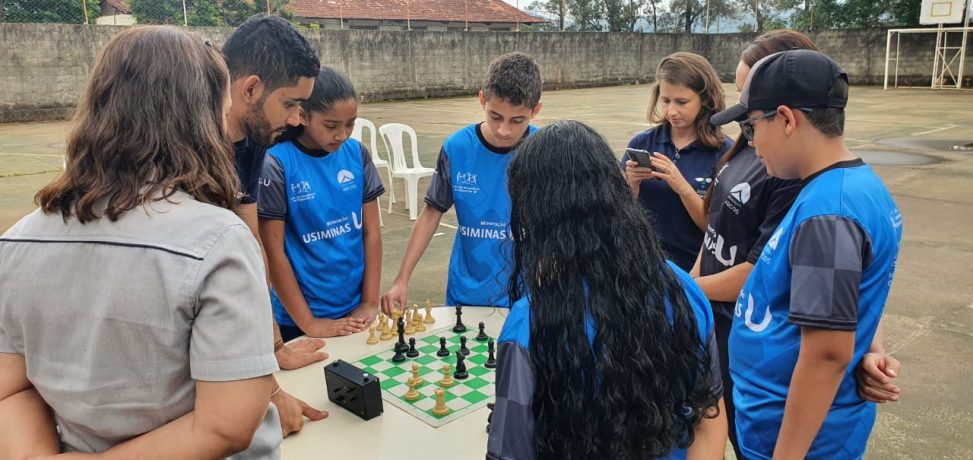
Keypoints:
pixel 459 327
pixel 462 346
pixel 460 373
pixel 482 337
pixel 491 361
pixel 490 417
pixel 443 352
pixel 401 346
pixel 412 353
pixel 399 357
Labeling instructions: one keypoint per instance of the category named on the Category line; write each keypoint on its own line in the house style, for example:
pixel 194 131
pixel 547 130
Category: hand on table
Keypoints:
pixel 366 312
pixel 324 327
pixel 874 376
pixel 296 355
pixel 666 170
pixel 635 174
pixel 292 412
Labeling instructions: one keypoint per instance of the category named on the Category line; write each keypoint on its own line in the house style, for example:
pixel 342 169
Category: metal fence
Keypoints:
pixel 178 12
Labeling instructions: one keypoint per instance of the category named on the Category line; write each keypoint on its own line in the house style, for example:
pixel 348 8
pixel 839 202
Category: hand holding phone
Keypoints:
pixel 642 157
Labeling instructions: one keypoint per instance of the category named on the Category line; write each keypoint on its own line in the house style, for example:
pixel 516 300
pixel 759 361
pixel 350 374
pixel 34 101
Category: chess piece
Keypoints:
pixel 381 322
pixel 462 347
pixel 429 319
pixel 491 361
pixel 387 333
pixel 416 379
pixel 459 327
pixel 440 408
pixel 420 324
pixel 460 367
pixel 372 338
pixel 412 352
pixel 443 352
pixel 410 325
pixel 412 394
pixel 401 346
pixel 399 355
pixel 482 337
pixel 447 380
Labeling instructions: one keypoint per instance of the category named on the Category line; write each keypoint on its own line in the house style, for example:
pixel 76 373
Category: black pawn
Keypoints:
pixel 491 361
pixel 460 373
pixel 482 337
pixel 399 357
pixel 400 346
pixel 462 346
pixel 443 352
pixel 412 353
pixel 459 327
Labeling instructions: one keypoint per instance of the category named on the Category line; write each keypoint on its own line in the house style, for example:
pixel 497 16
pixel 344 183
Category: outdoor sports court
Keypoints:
pixel 908 135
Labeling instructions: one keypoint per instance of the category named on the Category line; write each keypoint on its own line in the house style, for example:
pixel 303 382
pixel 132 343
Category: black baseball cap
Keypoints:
pixel 795 78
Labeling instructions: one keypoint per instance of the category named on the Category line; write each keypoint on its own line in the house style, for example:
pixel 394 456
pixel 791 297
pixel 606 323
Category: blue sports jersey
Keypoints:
pixel 828 265
pixel 473 176
pixel 512 429
pixel 320 200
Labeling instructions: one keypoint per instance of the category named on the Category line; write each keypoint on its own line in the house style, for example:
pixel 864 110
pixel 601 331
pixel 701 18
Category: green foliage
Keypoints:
pixel 588 14
pixel 56 11
pixel 225 13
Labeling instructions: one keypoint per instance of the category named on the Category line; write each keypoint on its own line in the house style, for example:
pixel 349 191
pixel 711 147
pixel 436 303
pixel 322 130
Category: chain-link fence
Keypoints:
pixel 228 13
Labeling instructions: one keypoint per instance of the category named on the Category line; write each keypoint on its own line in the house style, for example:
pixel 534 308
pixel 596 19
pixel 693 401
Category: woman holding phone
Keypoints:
pixel 682 150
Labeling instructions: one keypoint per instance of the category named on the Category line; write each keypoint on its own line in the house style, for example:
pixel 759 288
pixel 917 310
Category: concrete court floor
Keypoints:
pixel 929 316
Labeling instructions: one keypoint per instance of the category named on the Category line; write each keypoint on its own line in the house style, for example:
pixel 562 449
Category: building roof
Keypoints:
pixel 121 6
pixel 491 11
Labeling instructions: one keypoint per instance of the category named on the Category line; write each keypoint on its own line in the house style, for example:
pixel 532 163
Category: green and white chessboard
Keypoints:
pixel 464 397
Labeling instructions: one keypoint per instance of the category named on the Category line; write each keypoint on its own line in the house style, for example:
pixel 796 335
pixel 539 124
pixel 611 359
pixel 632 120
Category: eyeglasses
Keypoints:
pixel 746 126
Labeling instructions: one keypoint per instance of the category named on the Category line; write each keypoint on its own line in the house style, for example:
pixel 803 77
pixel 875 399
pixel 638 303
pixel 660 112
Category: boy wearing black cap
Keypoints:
pixel 812 304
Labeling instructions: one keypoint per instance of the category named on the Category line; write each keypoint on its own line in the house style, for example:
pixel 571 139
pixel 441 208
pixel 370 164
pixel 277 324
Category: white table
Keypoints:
pixel 395 434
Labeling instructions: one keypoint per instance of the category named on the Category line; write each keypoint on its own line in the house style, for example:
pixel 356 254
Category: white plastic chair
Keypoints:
pixel 393 135
pixel 356 134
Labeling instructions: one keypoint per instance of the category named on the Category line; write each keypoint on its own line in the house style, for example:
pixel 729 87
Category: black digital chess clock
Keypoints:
pixel 354 389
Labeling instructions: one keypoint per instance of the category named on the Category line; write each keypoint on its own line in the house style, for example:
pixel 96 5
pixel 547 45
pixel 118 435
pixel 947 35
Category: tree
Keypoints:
pixel 58 11
pixel 204 12
pixel 587 14
pixel 906 12
pixel 621 15
pixel 550 9
pixel 689 11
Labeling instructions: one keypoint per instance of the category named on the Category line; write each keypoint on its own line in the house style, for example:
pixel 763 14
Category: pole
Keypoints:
pixel 518 15
pixel 84 8
pixel 268 7
pixel 707 16
pixel 408 15
pixel 185 17
pixel 466 4
pixel 888 49
pixel 962 52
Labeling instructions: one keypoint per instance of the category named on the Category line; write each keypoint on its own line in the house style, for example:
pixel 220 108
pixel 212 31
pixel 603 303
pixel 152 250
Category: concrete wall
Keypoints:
pixel 43 66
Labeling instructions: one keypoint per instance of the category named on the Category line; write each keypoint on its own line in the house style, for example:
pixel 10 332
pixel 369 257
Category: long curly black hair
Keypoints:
pixel 583 249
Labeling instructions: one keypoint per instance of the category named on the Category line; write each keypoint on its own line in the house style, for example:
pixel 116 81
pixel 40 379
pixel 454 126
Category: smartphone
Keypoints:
pixel 642 157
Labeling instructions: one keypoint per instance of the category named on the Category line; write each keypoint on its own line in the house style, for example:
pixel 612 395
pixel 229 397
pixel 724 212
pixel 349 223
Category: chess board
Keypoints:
pixel 464 397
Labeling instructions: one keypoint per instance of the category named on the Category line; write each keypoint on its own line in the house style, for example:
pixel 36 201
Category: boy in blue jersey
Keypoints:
pixel 471 173
pixel 813 302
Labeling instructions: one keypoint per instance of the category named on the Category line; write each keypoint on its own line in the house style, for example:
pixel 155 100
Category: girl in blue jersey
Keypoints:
pixel 685 149
pixel 319 219
pixel 608 351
